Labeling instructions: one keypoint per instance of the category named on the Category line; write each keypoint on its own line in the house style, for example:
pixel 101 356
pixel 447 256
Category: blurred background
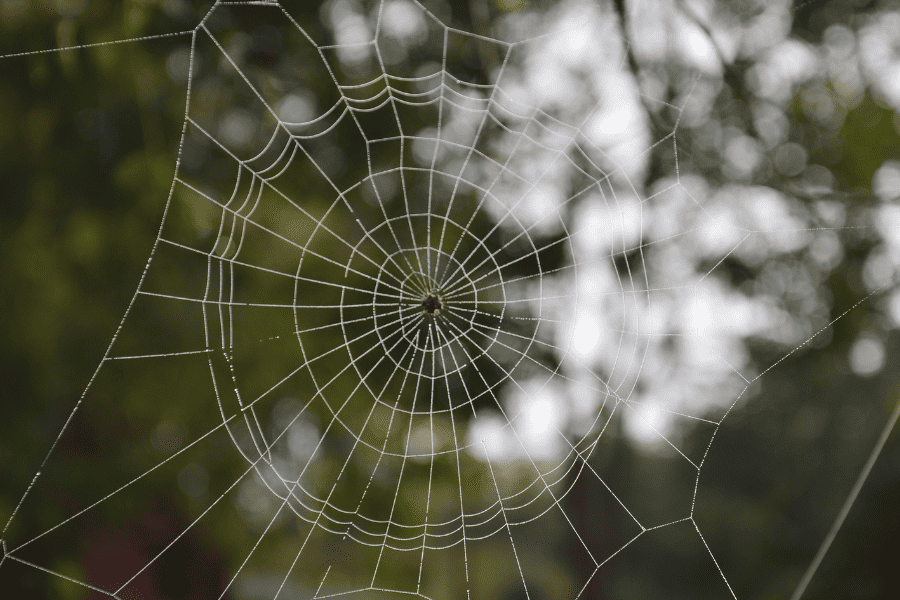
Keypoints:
pixel 736 287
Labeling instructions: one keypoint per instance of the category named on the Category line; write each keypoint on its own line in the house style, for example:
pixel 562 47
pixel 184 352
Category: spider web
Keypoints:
pixel 413 312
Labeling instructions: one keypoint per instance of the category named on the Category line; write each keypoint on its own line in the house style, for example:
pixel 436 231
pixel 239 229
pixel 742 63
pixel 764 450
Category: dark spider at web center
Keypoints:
pixel 431 304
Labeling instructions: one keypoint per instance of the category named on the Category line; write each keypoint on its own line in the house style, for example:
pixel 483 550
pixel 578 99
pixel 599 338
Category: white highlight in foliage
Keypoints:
pixel 613 123
pixel 743 157
pixel 537 411
pixel 402 20
pixel 540 414
pixel 423 146
pixel 351 31
pixel 894 308
pixel 606 227
pixel 586 334
pixel 489 438
pixel 697 48
pixel 886 181
pixel 887 221
pixel 581 75
pixel 644 426
pixel 785 65
pixel 866 356
pixel 297 107
pixel 303 438
pixel 237 128
pixel 878 53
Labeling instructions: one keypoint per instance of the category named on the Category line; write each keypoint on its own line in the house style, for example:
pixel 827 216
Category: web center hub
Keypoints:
pixel 432 304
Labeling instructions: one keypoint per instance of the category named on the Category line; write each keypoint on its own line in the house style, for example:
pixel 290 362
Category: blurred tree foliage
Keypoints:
pixel 88 140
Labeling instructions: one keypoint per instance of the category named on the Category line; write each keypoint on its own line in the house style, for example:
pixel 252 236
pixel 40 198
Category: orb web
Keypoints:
pixel 419 304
